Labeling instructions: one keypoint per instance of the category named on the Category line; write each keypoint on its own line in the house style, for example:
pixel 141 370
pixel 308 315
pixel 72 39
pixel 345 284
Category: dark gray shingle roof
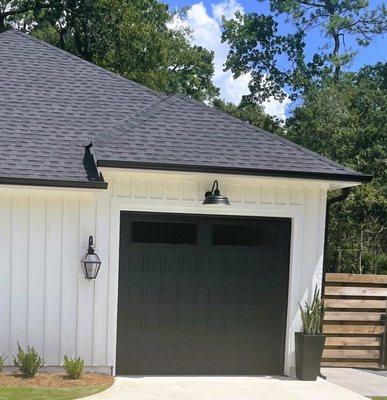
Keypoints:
pixel 52 104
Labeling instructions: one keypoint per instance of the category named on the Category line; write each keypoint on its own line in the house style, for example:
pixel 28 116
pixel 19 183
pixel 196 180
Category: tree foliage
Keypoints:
pixel 134 38
pixel 340 115
pixel 252 113
pixel 258 46
pixel 347 122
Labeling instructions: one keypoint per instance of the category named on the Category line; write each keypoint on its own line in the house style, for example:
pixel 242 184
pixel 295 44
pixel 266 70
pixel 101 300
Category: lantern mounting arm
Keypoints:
pixel 90 249
pixel 214 190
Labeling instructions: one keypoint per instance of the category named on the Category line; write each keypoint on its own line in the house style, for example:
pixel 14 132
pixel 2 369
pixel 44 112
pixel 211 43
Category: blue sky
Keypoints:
pixel 204 18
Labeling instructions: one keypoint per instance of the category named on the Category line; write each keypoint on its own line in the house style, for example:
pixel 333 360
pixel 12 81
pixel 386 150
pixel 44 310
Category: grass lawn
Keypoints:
pixel 32 393
pixel 373 398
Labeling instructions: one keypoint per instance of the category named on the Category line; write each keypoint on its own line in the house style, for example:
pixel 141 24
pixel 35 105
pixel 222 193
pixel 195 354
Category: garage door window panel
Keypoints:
pixel 163 232
pixel 262 235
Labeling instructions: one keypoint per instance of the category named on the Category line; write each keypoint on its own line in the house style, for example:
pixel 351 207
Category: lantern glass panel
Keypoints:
pixel 91 264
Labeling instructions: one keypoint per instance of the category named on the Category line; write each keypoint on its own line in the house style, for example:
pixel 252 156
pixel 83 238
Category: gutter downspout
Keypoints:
pixel 341 197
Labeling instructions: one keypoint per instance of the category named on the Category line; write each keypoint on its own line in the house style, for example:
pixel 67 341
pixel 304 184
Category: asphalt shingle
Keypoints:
pixel 52 104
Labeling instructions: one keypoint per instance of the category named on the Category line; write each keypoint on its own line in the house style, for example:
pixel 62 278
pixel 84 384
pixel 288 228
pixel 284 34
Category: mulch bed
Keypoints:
pixel 55 380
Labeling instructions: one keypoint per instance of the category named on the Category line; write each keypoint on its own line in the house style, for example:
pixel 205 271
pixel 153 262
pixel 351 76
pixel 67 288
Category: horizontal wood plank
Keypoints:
pixel 353 341
pixel 354 329
pixel 355 303
pixel 356 291
pixel 356 278
pixel 352 316
pixel 351 354
pixel 350 364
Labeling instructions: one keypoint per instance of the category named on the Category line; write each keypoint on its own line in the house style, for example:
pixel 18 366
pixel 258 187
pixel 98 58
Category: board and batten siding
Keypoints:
pixel 45 301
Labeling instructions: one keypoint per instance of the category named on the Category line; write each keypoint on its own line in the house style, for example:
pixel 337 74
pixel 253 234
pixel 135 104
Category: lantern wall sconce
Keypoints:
pixel 214 197
pixel 90 262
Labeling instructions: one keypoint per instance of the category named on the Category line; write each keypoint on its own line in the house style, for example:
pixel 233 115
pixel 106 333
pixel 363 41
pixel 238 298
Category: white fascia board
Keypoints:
pixel 110 173
pixel 49 190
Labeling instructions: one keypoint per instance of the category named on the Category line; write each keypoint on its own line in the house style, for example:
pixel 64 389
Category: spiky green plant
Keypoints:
pixel 312 315
pixel 3 357
pixel 28 362
pixel 73 367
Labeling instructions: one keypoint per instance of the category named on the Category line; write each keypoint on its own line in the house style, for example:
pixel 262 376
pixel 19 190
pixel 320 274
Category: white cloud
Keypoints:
pixel 206 30
pixel 276 108
pixel 226 9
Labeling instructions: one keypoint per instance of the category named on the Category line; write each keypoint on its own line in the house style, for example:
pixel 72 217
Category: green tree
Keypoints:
pixel 251 113
pixel 11 10
pixel 347 122
pixel 258 47
pixel 131 37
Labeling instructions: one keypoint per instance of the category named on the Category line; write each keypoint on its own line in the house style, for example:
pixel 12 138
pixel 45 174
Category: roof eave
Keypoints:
pixel 238 171
pixel 53 183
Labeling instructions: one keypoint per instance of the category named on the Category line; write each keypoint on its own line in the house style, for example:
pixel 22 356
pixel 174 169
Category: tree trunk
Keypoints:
pixel 62 33
pixel 2 23
pixel 335 53
pixel 361 250
pixel 337 265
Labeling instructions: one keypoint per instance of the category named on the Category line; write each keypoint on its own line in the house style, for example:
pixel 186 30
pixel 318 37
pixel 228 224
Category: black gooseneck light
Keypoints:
pixel 214 197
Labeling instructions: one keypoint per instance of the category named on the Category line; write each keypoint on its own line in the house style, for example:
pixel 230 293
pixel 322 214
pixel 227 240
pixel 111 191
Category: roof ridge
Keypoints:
pixel 136 120
pixel 273 136
pixel 79 59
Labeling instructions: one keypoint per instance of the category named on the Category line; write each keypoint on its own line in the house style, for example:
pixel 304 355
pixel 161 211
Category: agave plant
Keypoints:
pixel 312 315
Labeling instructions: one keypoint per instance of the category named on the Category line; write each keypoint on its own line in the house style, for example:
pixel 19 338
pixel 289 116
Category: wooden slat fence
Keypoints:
pixel 355 306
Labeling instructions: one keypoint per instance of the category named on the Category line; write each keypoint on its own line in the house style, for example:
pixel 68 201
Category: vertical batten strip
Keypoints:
pixel 45 274
pixel 19 289
pixel 69 276
pixel 36 278
pixel 5 274
pixel 53 283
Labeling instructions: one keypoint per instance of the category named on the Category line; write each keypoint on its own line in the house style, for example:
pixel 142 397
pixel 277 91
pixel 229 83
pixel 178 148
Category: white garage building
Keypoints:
pixel 183 288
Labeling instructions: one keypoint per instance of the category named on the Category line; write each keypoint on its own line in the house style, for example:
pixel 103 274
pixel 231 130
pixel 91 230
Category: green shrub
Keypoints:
pixel 73 367
pixel 2 361
pixel 312 315
pixel 29 362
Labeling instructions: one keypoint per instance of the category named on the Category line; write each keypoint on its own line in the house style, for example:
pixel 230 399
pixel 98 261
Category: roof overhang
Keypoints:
pixel 53 183
pixel 339 180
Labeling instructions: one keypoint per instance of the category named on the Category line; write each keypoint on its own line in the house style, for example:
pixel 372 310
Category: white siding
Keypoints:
pixel 53 284
pixel 44 299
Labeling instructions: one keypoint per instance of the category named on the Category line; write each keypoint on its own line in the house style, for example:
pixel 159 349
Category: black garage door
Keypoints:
pixel 202 295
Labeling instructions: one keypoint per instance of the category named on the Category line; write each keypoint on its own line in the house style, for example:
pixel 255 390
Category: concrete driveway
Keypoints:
pixel 367 383
pixel 223 388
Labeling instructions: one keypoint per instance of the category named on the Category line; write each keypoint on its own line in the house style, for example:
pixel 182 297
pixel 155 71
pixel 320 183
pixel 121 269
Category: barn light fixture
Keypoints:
pixel 214 197
pixel 90 262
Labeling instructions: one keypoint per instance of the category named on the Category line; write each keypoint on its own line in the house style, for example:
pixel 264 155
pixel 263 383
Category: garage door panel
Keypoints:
pixel 235 265
pixel 187 294
pixel 203 308
pixel 135 294
pixel 171 264
pixel 234 296
pixel 217 295
pixel 217 266
pixel 189 265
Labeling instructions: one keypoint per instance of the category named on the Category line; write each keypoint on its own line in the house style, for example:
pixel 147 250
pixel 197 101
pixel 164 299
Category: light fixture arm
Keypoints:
pixel 90 249
pixel 214 190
